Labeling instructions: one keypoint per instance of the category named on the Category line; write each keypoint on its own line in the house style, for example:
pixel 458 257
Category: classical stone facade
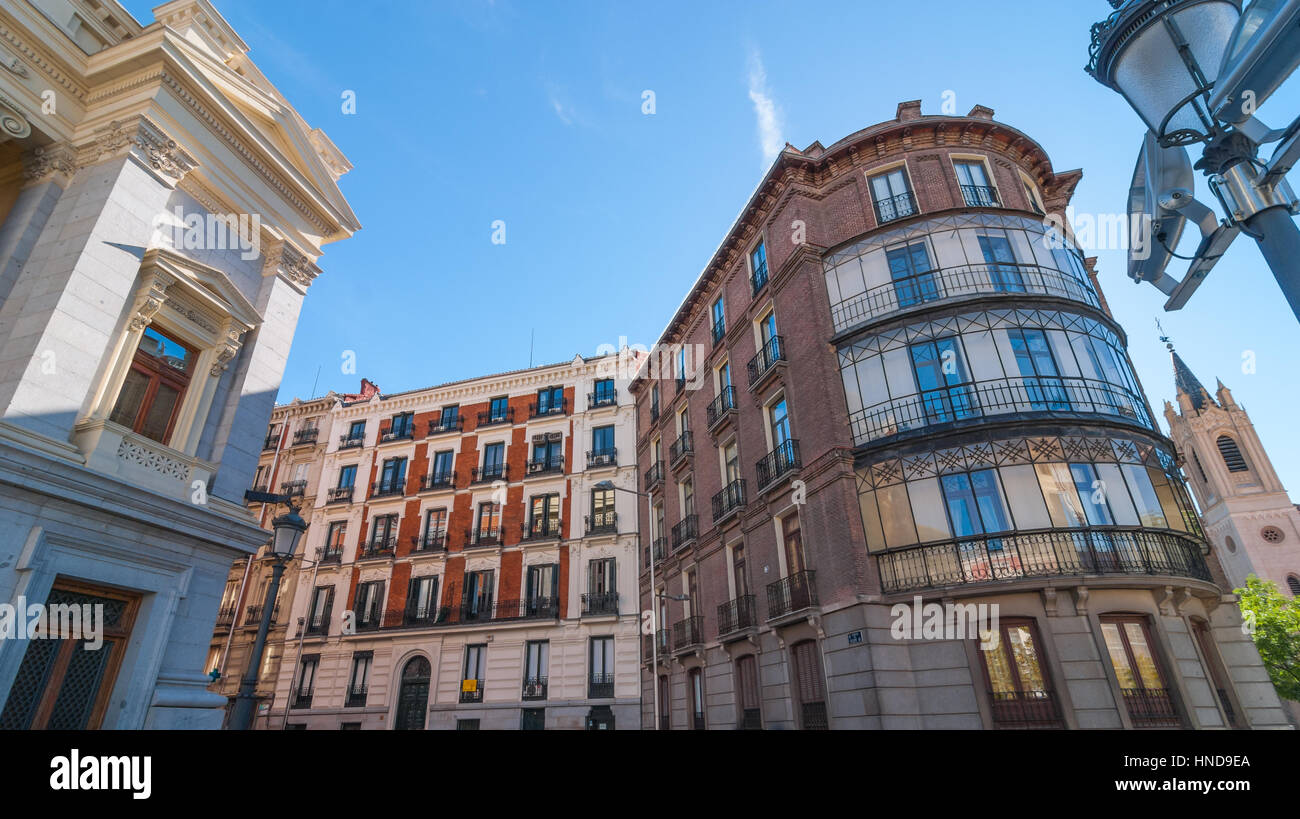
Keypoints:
pixel 161 211
pixel 901 391
pixel 462 567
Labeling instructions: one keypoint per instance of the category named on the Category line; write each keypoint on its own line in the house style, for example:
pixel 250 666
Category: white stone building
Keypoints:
pixel 161 210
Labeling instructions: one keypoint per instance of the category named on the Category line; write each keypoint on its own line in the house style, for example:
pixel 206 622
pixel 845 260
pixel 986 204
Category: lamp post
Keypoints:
pixel 287 531
pixel 1195 71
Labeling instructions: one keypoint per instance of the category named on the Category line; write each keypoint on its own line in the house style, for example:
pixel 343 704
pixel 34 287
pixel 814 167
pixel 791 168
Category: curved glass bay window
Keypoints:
pixel 1029 507
pixel 956 256
pixel 984 365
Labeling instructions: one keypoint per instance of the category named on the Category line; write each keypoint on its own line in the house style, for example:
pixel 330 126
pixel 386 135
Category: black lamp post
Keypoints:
pixel 287 531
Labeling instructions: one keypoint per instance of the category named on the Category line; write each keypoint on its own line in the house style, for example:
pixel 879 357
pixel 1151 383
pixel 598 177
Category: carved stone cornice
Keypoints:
pixel 283 259
pixel 228 349
pixel 143 141
pixel 150 300
pixel 57 162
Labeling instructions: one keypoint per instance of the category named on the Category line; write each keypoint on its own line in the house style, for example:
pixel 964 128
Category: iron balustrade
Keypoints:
pixel 254 614
pixel 261 487
pixel 814 716
pixel 542 529
pixel 654 475
pixel 790 594
pixel 293 488
pixel 778 463
pixel 271 442
pixel 730 500
pixel 719 332
pixel 332 556
pixel 772 351
pixel 721 407
pixel 379 546
pixel 600 686
pixel 491 472
pixel 305 436
pixel 981 399
pixel 489 418
pixel 440 427
pixel 319 625
pixel 351 441
pixel 606 397
pixel 415 616
pixel 737 615
pixel 1026 709
pixel 980 196
pixel 685 532
pixel 227 615
pixel 435 541
pixel 546 466
pixel 1151 708
pixel 339 494
pixel 680 448
pixel 536 410
pixel 302 697
pixel 953 282
pixel 473 695
pixel 1043 553
pixel 437 480
pixel 600 603
pixel 660 548
pixel 751 719
pixel 654 413
pixel 758 278
pixel 381 489
pixel 598 458
pixel 663 641
pixel 895 207
pixel 483 537
pixel 403 434
pixel 356 697
pixel 688 632
pixel 602 523
pixel 535 688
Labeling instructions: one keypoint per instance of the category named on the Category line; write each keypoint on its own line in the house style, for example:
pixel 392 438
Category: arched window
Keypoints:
pixel 1231 454
pixel 1293 583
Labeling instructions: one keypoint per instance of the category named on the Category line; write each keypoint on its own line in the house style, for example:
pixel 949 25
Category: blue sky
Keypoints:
pixel 531 113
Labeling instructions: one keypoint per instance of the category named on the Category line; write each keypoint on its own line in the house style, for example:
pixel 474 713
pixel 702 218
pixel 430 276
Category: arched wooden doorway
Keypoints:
pixel 413 701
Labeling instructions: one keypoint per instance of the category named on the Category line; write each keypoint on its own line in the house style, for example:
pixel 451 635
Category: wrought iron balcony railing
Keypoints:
pixel 600 603
pixel 767 357
pixel 226 615
pixel 654 475
pixel 737 615
pixel 536 410
pixel 659 548
pixel 379 547
pixel 332 555
pixel 351 441
pixel 306 436
pixel 758 277
pixel 340 494
pixel 1000 396
pixel 600 686
pixel 491 472
pixel 440 427
pixel 1026 709
pixel 599 458
pixel 606 397
pixel 719 332
pixel 302 698
pixel 602 523
pixel 294 488
pixel 356 697
pixel 688 632
pixel 535 688
pixel 956 282
pixel 489 418
pixel 271 442
pixel 319 625
pixel 471 693
pixel 1043 553
pixel 402 433
pixel 790 594
pixel 384 489
pixel 253 617
pixel 685 532
pixel 435 541
pixel 437 481
pixel 895 207
pixel 681 448
pixel 729 501
pixel 720 408
pixel 1151 708
pixel 542 528
pixel 980 196
pixel 778 463
pixel 553 465
pixel 483 537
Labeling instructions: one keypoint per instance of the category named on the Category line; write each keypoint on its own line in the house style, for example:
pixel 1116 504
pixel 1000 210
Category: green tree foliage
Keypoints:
pixel 1273 620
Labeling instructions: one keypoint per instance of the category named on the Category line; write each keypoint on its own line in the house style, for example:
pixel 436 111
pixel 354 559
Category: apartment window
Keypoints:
pixel 688 498
pixel 154 386
pixel 681 366
pixel 665 704
pixel 261 478
pixel 1031 194
pixel 400 426
pixel 719 320
pixel 498 409
pixel 536 659
pixel 1003 268
pixel 542 590
pixel 435 528
pixel 306 681
pixel 912 274
pixel 696 683
pixel 359 681
pixel 471 689
pixel 1214 667
pixel 392 478
pixel 384 535
pixel 422 599
pixel 654 402
pixel 356 432
pixel 348 476
pixel 810 690
pixel 751 709
pixel 544 520
pixel 976 189
pixel 322 606
pixel 603 517
pixel 600 577
pixel 758 266
pixel 604 392
pixel 602 445
pixel 550 400
pixel 1042 385
pixel 449 417
pixel 740 579
pixel 975 504
pixel 334 538
pixel 1232 457
pixel 477 599
pixel 489 522
pixel 941 380
pixel 370 603
pixel 494 457
pixel 1133 659
pixel 548 454
pixel 466 724
pixel 724 379
pixel 892 195
pixel 442 466
pixel 1018 685
pixel 792 542
pixel 601 662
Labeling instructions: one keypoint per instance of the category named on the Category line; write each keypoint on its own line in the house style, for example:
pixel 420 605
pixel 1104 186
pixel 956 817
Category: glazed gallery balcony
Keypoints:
pixel 953 282
pixel 1043 553
pixel 987 399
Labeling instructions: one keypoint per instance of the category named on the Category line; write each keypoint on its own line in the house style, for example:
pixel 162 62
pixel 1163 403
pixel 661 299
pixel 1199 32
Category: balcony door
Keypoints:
pixel 792 537
pixel 1043 387
pixel 543 589
pixel 413 700
pixel 910 271
pixel 941 380
pixel 478 594
pixel 1003 271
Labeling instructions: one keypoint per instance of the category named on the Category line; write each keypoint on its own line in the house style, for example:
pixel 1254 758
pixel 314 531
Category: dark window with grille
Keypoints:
pixel 370 602
pixel 422 599
pixel 1132 653
pixel 62 686
pixel 665 704
pixel 696 681
pixel 1018 683
pixel 322 604
pixel 1231 454
pixel 1293 583
pixel 809 686
pixel 359 681
pixel 747 681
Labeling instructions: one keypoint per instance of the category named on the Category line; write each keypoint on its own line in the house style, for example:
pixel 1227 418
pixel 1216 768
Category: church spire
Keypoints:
pixel 1188 384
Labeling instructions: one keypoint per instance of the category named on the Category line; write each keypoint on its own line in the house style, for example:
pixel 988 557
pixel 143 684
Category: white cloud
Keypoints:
pixel 765 109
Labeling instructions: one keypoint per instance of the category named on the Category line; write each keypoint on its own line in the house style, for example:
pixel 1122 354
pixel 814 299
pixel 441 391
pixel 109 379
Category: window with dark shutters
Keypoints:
pixel 811 692
pixel 1231 454
pixel 750 711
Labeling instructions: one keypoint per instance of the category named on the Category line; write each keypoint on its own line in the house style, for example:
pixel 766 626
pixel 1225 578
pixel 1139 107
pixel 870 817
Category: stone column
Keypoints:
pixel 48 171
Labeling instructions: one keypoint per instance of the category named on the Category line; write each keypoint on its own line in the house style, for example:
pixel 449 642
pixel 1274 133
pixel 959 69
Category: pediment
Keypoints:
pixel 207 285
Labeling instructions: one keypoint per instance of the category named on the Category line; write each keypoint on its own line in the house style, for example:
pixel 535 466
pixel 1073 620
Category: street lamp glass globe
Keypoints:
pixel 288 530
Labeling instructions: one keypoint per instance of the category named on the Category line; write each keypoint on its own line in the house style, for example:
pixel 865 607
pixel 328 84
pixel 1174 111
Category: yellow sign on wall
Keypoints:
pixel 469 686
